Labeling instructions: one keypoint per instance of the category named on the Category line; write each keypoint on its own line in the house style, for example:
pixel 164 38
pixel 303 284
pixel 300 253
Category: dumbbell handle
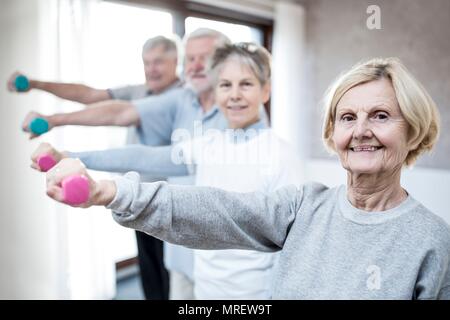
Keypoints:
pixel 75 188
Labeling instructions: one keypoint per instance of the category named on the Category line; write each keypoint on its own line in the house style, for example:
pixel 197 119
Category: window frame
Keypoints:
pixel 181 10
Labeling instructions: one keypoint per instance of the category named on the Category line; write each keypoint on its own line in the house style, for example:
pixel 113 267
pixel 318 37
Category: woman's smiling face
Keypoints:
pixel 370 133
pixel 240 94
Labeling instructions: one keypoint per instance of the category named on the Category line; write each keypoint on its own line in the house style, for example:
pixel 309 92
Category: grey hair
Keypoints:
pixel 221 39
pixel 169 44
pixel 256 57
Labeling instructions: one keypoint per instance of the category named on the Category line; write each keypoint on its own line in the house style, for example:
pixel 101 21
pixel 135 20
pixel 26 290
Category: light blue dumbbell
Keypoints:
pixel 39 126
pixel 22 84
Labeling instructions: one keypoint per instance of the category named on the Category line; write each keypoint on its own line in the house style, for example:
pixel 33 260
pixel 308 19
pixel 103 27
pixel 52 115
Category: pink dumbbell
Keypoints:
pixel 75 188
pixel 46 162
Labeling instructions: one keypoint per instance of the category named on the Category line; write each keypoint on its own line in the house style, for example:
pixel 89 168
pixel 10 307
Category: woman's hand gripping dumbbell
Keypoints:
pixel 68 181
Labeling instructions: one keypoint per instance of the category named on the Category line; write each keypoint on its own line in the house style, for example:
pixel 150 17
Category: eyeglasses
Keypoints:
pixel 247 46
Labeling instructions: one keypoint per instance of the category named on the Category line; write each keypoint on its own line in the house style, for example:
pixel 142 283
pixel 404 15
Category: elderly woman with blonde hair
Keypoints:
pixel 369 239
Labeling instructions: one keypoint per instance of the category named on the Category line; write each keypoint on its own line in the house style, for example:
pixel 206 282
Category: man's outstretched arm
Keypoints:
pixel 68 91
pixel 107 113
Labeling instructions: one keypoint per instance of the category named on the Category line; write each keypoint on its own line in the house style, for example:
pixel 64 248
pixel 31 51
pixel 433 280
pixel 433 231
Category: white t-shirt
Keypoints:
pixel 251 161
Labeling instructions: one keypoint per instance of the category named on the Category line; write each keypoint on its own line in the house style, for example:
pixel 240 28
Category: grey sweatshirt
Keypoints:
pixel 329 249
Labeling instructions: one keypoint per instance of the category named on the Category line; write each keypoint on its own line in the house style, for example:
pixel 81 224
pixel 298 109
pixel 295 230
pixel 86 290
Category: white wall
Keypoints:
pixel 289 107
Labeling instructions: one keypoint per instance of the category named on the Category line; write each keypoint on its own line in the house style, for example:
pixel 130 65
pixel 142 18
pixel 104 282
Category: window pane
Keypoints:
pixel 236 32
pixel 118 33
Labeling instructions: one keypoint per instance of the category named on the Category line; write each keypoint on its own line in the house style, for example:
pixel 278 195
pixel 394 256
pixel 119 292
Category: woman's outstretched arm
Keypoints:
pixel 197 217
pixel 204 217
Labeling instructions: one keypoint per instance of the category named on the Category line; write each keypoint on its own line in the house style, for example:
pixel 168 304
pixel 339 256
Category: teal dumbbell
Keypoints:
pixel 39 126
pixel 22 84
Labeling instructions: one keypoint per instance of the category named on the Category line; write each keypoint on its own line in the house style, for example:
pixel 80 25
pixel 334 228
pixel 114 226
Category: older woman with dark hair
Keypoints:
pixel 369 239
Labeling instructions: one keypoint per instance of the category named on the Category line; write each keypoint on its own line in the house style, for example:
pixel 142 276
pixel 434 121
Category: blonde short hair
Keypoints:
pixel 416 105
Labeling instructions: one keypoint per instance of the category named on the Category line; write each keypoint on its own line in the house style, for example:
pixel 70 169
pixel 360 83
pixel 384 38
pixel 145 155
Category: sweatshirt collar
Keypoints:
pixel 349 212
